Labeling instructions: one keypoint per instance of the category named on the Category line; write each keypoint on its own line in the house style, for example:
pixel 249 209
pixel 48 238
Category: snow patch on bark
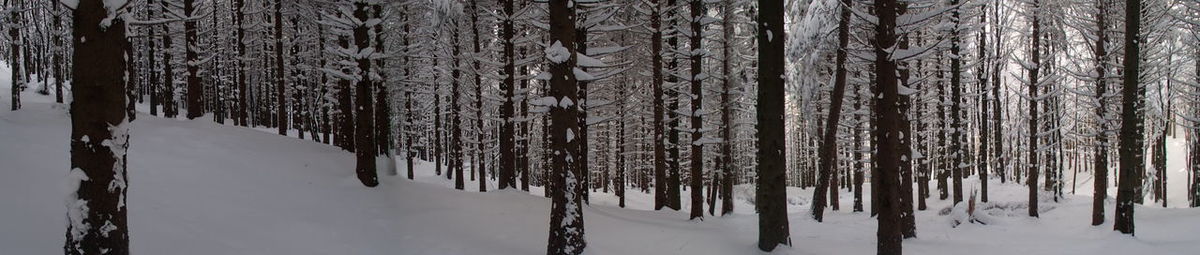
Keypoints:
pixel 557 53
pixel 77 209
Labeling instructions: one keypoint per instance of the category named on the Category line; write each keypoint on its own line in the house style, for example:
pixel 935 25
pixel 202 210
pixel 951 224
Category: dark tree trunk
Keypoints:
pixel 408 126
pixel 727 107
pixel 479 134
pixel 697 96
pixel 566 213
pixel 383 98
pixel 1100 180
pixel 345 131
pixel 772 177
pixel 1132 134
pixel 887 136
pixel 456 146
pixel 673 178
pixel 507 155
pixel 957 136
pixel 858 147
pixel 195 92
pixel 1035 52
pixel 14 35
pixel 364 139
pixel 170 107
pixel 281 79
pixel 660 154
pixel 58 57
pixel 908 225
pixel 238 21
pixel 99 135
pixel 981 74
pixel 828 150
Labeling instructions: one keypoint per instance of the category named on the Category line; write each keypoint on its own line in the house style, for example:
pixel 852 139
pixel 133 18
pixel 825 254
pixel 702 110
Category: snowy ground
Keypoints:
pixel 202 188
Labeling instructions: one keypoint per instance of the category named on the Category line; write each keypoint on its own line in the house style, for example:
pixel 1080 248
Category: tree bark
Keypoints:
pixel 364 139
pixel 97 215
pixel 772 177
pixel 1132 130
pixel 697 96
pixel 887 136
pixel 566 213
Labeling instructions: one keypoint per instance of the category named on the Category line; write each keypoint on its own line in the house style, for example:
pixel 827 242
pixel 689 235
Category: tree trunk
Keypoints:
pixel 660 154
pixel 1100 180
pixel 1132 133
pixel 697 96
pixel 195 92
pixel 1033 112
pixel 828 150
pixel 888 152
pixel 280 79
pixel 364 139
pixel 772 177
pixel 727 107
pixel 566 213
pixel 97 212
pixel 507 156
pixel 673 178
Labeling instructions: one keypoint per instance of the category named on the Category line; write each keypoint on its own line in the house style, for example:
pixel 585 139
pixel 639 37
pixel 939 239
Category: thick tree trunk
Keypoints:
pixel 772 177
pixel 985 163
pixel 345 131
pixel 660 154
pixel 697 96
pixel 97 212
pixel 727 106
pixel 195 92
pixel 673 178
pixel 957 133
pixel 364 139
pixel 566 211
pixel 507 137
pixel 1132 130
pixel 456 143
pixel 888 152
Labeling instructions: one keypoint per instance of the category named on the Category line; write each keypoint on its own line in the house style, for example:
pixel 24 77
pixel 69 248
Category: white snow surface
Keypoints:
pixel 197 187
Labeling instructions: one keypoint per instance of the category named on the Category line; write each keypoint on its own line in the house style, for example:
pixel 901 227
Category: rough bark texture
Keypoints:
pixel 194 89
pixel 1033 114
pixel 1100 180
pixel 697 95
pixel 507 137
pixel 887 137
pixel 566 210
pixel 1132 155
pixel 727 107
pixel 364 139
pixel 772 178
pixel 99 135
pixel 828 150
pixel 660 149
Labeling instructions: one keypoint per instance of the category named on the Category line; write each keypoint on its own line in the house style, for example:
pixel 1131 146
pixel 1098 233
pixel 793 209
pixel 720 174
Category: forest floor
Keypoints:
pixel 197 187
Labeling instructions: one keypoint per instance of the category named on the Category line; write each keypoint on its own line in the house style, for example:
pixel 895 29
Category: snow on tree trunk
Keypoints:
pixel 887 135
pixel 99 133
pixel 566 211
pixel 1132 161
